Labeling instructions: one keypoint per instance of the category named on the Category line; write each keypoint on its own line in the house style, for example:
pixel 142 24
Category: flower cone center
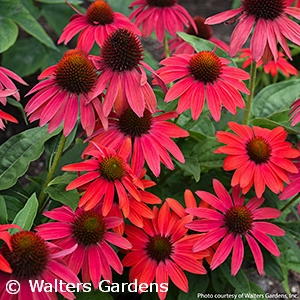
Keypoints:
pixel 75 72
pixel 159 248
pixel 100 13
pixel 112 168
pixel 238 219
pixel 29 255
pixel 122 50
pixel 205 66
pixel 266 9
pixel 161 3
pixel 132 125
pixel 258 150
pixel 204 31
pixel 89 228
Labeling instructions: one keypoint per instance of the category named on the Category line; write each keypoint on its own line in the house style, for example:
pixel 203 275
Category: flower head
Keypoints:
pixel 203 76
pixel 107 173
pixel 178 45
pixel 90 232
pixel 230 222
pixel 160 15
pixel 260 156
pixel 32 258
pixel 120 63
pixel 272 67
pixel 56 100
pixel 271 22
pixel 150 136
pixel 95 25
pixel 5 236
pixel 161 250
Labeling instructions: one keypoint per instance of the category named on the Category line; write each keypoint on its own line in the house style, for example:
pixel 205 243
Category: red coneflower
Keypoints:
pixel 260 157
pixel 122 73
pixel 56 100
pixel 90 232
pixel 149 134
pixel 272 67
pixel 204 76
pixel 231 221
pixel 95 25
pixel 271 22
pixel 108 173
pixel 160 15
pixel 161 250
pixel 32 258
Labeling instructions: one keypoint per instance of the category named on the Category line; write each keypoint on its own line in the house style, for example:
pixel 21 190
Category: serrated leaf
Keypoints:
pixel 57 190
pixel 8 34
pixel 200 44
pixel 191 166
pixel 204 150
pixel 29 24
pixel 3 211
pixel 28 57
pixel 27 214
pixel 275 97
pixel 17 153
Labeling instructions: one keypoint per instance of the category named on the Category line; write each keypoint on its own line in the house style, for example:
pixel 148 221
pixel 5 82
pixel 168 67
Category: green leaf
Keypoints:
pixel 73 2
pixel 271 266
pixel 28 55
pixel 191 166
pixel 57 15
pixel 3 211
pixel 292 244
pixel 204 150
pixel 52 57
pixel 120 6
pixel 26 216
pixel 275 97
pixel 18 105
pixel 57 190
pixel 29 24
pixel 93 295
pixel 17 153
pixel 8 34
pixel 239 282
pixel 200 44
pixel 197 284
pixel 291 227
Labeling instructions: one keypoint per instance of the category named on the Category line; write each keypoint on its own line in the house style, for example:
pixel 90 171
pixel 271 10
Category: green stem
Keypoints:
pixel 166 47
pixel 290 203
pixel 52 170
pixel 251 96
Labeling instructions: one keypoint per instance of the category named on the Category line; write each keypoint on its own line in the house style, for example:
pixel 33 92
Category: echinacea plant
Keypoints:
pixel 160 160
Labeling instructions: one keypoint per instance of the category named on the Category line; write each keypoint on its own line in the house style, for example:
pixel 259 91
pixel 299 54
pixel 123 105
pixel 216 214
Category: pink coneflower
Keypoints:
pixel 231 221
pixel 95 25
pixel 108 173
pixel 272 67
pixel 32 258
pixel 5 236
pixel 161 250
pixel 260 157
pixel 160 15
pixel 122 67
pixel 150 136
pixel 295 112
pixel 56 100
pixel 90 232
pixel 203 76
pixel 178 45
pixel 8 88
pixel 271 22
pixel 293 188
